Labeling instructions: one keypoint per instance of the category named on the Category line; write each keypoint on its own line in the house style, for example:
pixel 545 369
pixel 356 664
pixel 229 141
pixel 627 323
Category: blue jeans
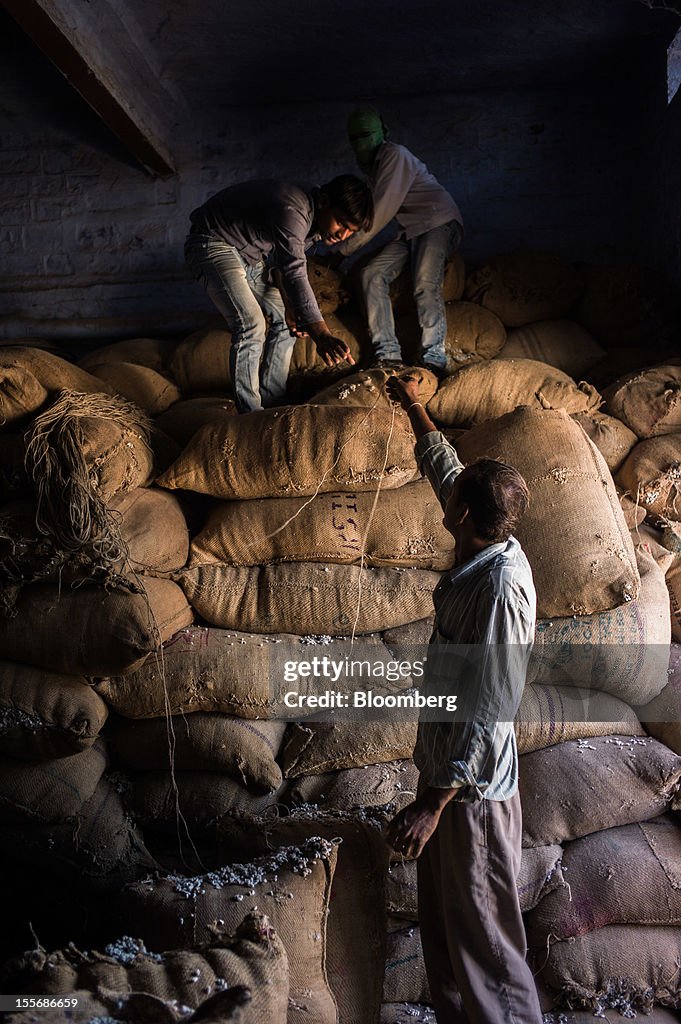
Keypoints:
pixel 245 298
pixel 428 255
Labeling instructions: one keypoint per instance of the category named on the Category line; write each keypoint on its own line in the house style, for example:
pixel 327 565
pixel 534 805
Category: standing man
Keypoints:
pixel 465 823
pixel 430 231
pixel 244 234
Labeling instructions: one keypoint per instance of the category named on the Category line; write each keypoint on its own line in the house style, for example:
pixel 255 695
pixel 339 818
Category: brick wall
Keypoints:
pixel 92 247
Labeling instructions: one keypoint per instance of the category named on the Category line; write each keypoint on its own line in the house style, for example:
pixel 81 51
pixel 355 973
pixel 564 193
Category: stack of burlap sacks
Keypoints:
pixel 313 526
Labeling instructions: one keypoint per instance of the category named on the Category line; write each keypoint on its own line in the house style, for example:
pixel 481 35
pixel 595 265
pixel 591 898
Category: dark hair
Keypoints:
pixel 352 198
pixel 497 498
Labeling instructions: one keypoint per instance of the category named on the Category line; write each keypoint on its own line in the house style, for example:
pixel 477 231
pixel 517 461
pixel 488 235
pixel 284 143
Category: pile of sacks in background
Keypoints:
pixel 147 757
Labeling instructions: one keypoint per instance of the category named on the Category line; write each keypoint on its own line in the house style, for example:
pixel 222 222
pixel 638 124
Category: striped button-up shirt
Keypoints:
pixel 487 608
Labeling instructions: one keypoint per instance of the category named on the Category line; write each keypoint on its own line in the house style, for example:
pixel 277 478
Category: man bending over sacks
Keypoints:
pixel 247 247
pixel 465 823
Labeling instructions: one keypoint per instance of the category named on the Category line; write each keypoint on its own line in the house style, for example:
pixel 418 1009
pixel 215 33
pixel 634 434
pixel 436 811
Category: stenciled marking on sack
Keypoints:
pixel 344 509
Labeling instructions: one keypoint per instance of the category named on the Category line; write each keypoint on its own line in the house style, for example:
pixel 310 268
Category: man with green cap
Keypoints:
pixel 430 229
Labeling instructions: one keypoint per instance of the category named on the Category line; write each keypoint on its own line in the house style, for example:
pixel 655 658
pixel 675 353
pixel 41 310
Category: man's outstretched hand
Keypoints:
pixel 403 390
pixel 333 350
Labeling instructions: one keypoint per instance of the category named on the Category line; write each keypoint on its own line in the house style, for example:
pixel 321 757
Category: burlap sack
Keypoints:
pixel 366 389
pixel 152 352
pixel 183 419
pixel 200 799
pixel 98 844
pixel 354 969
pixel 292 886
pixel 633 514
pixel 92 631
pixel 369 786
pixel 219 670
pixel 54 373
pixel 661 717
pixel 21 395
pixel 524 286
pixel 410 636
pixel 403 1013
pixel 628 305
pixel 630 967
pixel 673 580
pixel 327 285
pixel 648 539
pixel 405 978
pixel 583 786
pixel 617 363
pixel 44 715
pixel 573 534
pixel 401 527
pixel 254 956
pixel 308 598
pixel 471 331
pixel 297 450
pixel 649 402
pixel 540 873
pixel 316 747
pixel 153 528
pixel 308 373
pixel 492 388
pixel 49 791
pixel 626 875
pixel 201 742
pixel 554 714
pixel 651 475
pixel 624 651
pixel 560 343
pixel 657 1016
pixel 139 384
pixel 613 439
pixel 201 362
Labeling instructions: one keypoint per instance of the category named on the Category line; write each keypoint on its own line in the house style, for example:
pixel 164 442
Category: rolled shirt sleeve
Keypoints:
pixel 439 462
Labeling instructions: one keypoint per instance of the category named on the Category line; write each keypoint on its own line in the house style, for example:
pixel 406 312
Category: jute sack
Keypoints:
pixel 183 419
pixel 297 450
pixel 400 1013
pixel 524 286
pixel 613 439
pixel 98 844
pixel 540 873
pixel 305 597
pixel 624 651
pixel 291 885
pixel 401 527
pixel 634 514
pixel 554 714
pixel 651 475
pixel 471 331
pixel 200 799
pixel 220 670
pixel 21 395
pixel 583 786
pixel 54 373
pixel 573 534
pixel 405 979
pixel 201 362
pixel 366 389
pixel 626 875
pixel 92 631
pixel 628 305
pixel 354 968
pixel 649 401
pixel 560 343
pixel 631 967
pixel 254 956
pixel 661 717
pixel 369 786
pixel 49 791
pixel 308 373
pixel 618 363
pixel 45 715
pixel 152 352
pixel 139 384
pixel 202 742
pixel 327 285
pixel 317 747
pixel 657 1016
pixel 490 389
pixel 153 528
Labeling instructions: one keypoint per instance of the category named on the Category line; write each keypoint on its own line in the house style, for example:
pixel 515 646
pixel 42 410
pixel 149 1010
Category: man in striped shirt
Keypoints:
pixel 465 825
